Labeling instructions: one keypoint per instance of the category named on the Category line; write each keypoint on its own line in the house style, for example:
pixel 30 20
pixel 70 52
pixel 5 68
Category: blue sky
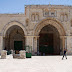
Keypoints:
pixel 17 6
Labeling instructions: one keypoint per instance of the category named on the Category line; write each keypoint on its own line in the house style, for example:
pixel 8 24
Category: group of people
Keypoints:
pixel 64 53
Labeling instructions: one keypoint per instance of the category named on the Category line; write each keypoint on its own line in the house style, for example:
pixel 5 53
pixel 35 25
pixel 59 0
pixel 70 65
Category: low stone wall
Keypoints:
pixel 21 55
pixel 17 56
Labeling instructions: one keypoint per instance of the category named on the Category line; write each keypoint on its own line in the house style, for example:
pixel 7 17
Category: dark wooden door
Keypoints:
pixel 46 44
pixel 18 45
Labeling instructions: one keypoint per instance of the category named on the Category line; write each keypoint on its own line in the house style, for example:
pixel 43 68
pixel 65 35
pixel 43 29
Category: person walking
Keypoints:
pixel 64 53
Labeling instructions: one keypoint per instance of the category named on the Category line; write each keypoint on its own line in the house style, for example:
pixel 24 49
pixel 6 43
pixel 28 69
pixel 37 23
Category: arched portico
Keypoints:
pixel 53 24
pixel 52 21
pixel 13 36
pixel 10 24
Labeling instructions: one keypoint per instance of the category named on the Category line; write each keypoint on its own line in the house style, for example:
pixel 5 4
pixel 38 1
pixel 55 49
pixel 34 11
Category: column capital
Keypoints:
pixel 64 37
pixel 31 36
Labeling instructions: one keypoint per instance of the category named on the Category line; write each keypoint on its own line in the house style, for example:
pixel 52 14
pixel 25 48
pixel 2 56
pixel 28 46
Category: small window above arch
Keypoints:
pixel 71 23
pixel 27 22
pixel 65 17
pixel 62 17
pixel 37 17
pixel 33 17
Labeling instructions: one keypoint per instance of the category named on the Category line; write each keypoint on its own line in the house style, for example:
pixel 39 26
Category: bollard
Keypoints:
pixel 22 54
pixel 3 54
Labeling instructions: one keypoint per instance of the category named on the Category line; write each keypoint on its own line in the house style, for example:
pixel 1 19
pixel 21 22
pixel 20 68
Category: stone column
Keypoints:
pixel 9 42
pixel 65 42
pixel 69 49
pixel 61 45
pixel 36 44
pixel 29 42
pixel 1 43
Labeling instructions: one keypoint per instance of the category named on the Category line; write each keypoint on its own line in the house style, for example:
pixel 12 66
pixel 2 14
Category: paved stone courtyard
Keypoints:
pixel 36 64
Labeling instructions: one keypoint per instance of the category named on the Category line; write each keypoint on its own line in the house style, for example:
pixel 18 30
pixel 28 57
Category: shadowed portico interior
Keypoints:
pixel 14 39
pixel 49 41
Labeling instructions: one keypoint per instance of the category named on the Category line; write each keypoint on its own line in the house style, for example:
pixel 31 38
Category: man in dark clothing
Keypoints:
pixel 64 54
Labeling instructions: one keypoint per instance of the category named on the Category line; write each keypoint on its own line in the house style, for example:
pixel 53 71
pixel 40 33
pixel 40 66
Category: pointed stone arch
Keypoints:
pixel 46 22
pixel 52 21
pixel 12 23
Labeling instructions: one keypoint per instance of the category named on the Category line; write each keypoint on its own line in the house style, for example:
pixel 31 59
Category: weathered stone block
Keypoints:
pixel 22 54
pixel 3 54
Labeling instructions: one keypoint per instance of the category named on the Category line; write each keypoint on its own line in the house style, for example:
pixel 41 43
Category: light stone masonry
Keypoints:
pixel 29 25
pixel 3 54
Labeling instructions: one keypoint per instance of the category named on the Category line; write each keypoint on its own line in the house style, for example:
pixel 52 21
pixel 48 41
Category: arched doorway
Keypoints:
pixel 49 41
pixel 14 39
pixel 49 32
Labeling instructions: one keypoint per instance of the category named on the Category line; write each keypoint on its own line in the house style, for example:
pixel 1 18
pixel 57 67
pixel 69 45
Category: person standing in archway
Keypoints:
pixel 64 53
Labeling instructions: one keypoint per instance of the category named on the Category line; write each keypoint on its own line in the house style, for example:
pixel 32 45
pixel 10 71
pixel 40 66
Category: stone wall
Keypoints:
pixel 34 14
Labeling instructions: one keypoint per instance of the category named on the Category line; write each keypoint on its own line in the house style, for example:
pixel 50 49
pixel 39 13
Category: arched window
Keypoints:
pixel 65 17
pixel 37 17
pixel 27 22
pixel 62 17
pixel 71 23
pixel 33 17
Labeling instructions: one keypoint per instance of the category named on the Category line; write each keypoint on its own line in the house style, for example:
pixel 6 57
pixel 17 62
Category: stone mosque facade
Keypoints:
pixel 46 28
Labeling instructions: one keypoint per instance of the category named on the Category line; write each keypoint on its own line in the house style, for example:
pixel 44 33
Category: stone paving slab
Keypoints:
pixel 36 64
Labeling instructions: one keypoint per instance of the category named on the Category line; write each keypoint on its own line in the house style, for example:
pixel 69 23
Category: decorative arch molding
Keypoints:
pixel 12 23
pixel 49 21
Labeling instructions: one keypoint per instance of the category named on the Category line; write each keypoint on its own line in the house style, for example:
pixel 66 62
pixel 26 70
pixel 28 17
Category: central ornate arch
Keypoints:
pixel 52 21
